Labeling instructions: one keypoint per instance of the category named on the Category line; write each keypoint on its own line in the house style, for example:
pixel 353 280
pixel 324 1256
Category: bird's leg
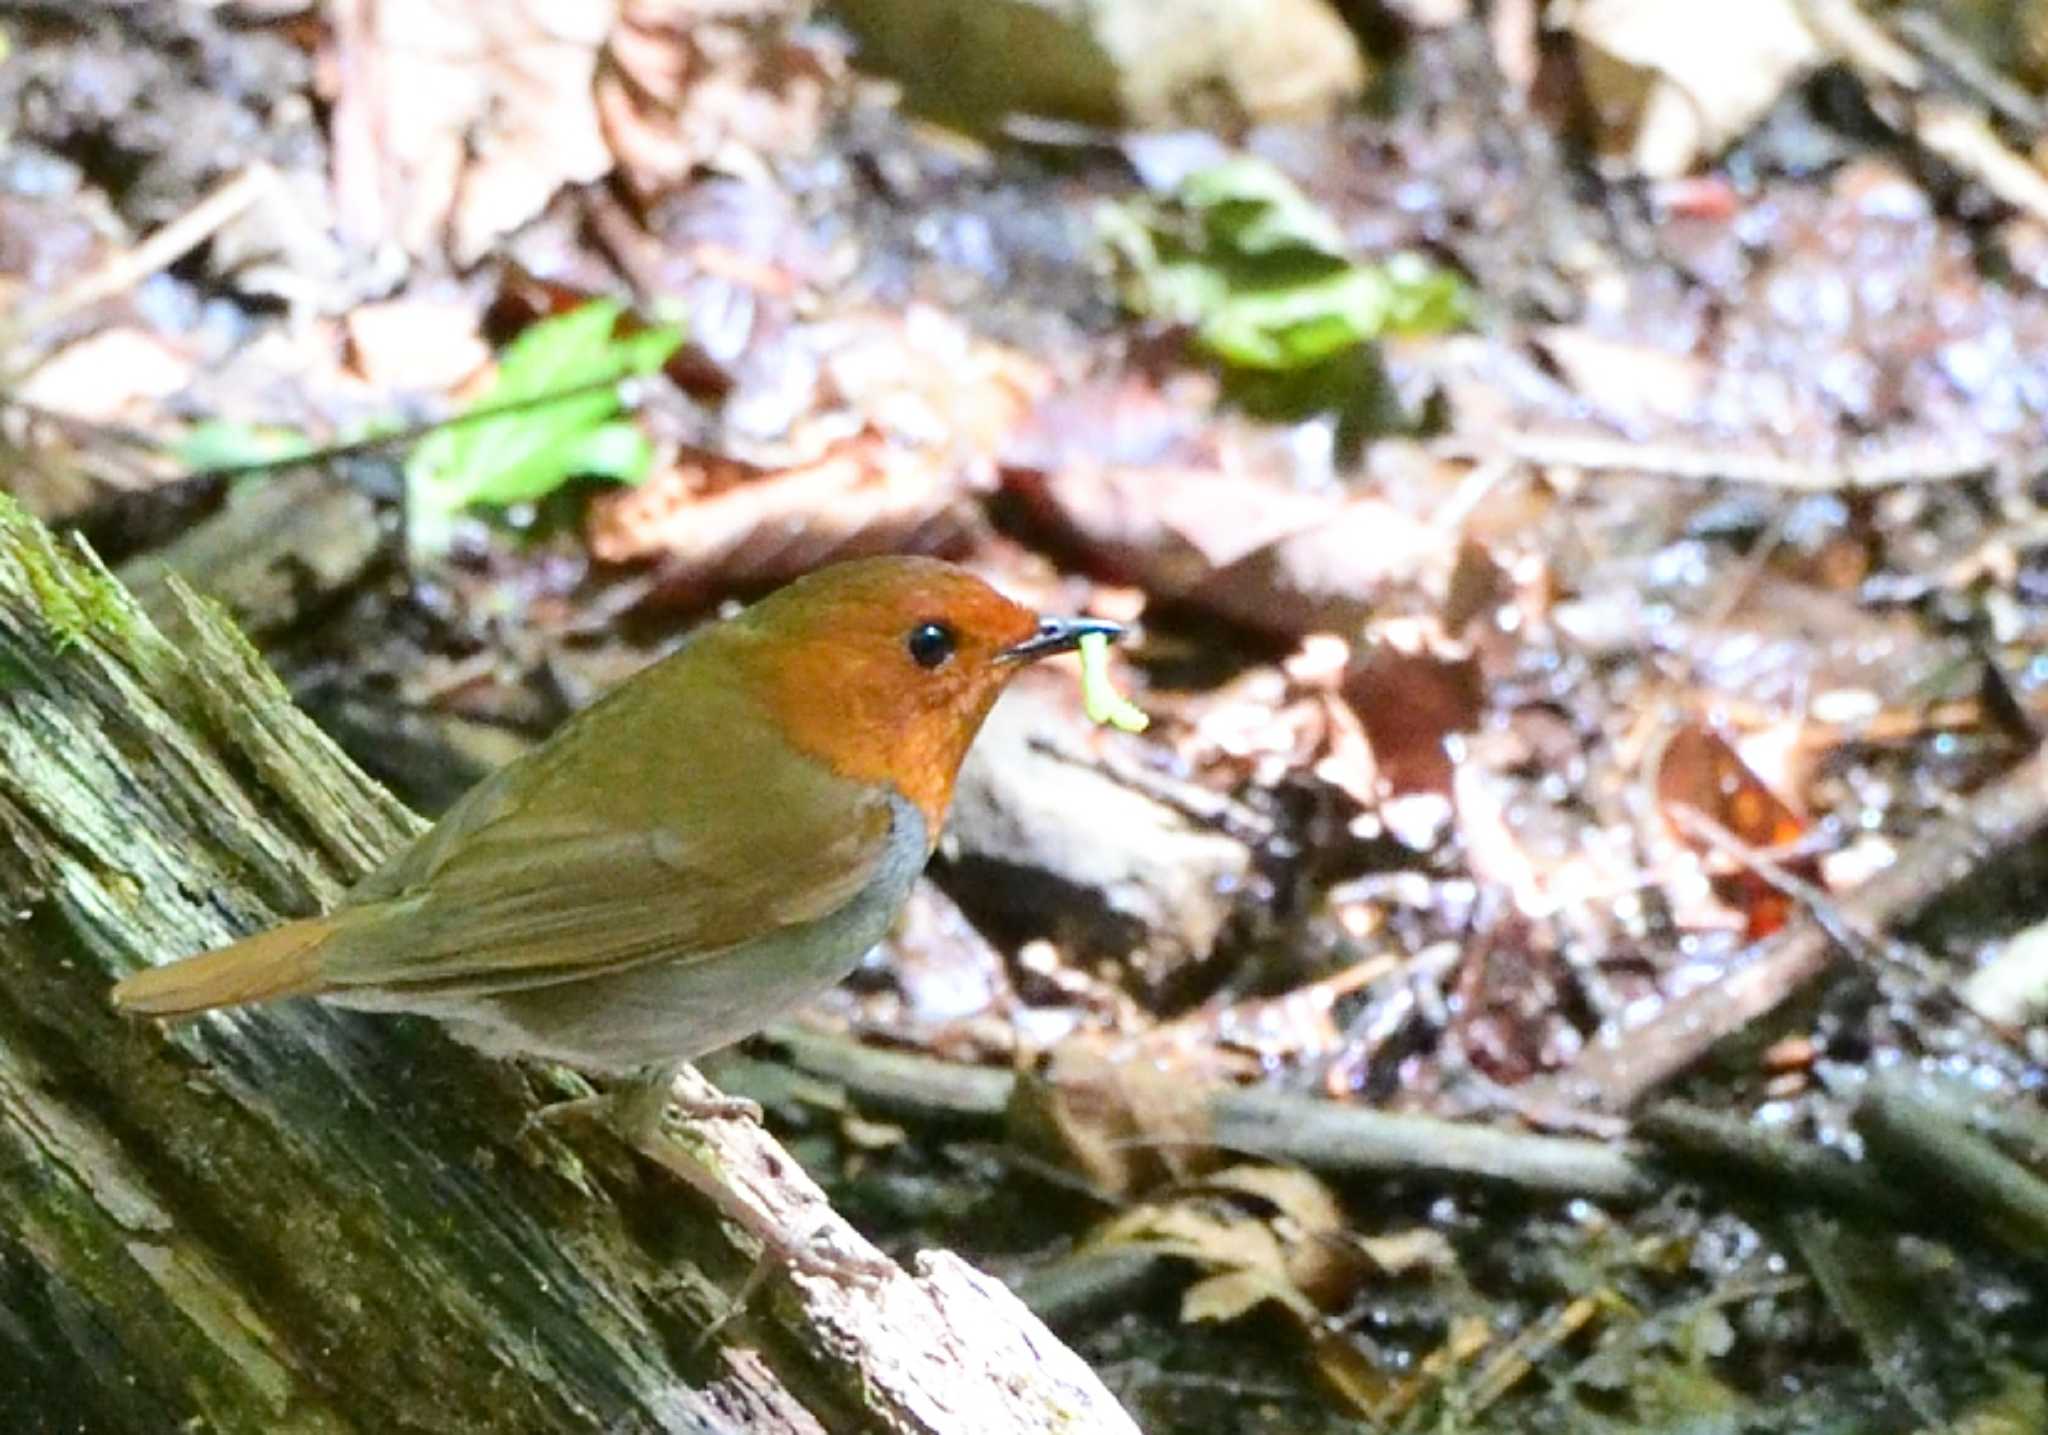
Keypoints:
pixel 637 1111
pixel 640 1104
pixel 637 1104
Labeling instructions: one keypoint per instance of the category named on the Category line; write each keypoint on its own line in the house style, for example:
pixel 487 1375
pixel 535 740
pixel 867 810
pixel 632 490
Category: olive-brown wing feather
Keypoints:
pixel 523 909
pixel 663 824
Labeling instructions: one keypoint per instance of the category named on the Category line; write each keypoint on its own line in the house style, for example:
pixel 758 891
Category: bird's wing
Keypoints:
pixel 532 897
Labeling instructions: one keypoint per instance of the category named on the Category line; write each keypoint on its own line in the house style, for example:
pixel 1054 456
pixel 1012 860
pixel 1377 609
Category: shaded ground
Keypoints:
pixel 1612 717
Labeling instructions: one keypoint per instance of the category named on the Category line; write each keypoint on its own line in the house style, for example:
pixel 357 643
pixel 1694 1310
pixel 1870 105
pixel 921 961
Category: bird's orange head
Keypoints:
pixel 884 668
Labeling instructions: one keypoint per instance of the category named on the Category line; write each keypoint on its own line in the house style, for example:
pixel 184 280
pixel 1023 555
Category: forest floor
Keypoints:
pixel 1577 487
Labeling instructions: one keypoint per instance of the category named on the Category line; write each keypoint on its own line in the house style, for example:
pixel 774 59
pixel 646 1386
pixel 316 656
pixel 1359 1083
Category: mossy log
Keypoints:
pixel 300 1218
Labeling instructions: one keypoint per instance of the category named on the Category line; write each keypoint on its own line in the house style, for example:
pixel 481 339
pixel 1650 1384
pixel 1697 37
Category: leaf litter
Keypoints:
pixel 1565 677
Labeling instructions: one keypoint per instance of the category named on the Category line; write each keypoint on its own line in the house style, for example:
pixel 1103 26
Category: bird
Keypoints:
pixel 720 838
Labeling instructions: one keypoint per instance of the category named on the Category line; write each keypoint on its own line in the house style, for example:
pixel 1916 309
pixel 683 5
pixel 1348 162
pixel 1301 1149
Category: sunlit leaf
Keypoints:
pixel 1262 275
pixel 218 443
pixel 558 385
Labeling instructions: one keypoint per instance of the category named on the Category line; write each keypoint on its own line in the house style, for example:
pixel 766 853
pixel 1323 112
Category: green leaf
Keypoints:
pixel 218 443
pixel 1240 255
pixel 559 382
pixel 618 451
pixel 1252 208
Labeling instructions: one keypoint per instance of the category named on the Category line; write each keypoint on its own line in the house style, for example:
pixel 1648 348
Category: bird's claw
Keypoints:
pixel 556 1113
pixel 638 1108
pixel 637 1111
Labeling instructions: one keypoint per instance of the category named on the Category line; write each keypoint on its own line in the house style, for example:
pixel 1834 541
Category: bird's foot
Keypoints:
pixel 637 1111
pixel 638 1106
pixel 812 1254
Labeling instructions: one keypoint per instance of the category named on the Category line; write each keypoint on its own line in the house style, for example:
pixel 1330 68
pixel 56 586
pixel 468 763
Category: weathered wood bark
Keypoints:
pixel 306 1219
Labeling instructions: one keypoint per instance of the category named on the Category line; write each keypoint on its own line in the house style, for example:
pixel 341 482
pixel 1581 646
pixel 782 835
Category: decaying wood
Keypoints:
pixel 277 551
pixel 306 1219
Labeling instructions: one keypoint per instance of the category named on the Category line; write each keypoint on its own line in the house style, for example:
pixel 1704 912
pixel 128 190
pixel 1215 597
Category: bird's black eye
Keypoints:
pixel 930 644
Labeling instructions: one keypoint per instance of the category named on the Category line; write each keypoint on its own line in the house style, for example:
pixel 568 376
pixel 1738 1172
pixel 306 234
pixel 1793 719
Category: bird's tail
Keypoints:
pixel 282 962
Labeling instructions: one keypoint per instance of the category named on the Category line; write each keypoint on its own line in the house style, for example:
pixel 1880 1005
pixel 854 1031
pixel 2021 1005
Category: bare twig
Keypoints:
pixel 1923 1143
pixel 1321 1135
pixel 1944 126
pixel 1732 1150
pixel 309 458
pixel 220 206
pixel 1949 53
pixel 1932 461
pixel 1622 1066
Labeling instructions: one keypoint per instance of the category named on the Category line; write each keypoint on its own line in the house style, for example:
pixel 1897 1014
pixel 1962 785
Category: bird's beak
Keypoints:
pixel 1059 635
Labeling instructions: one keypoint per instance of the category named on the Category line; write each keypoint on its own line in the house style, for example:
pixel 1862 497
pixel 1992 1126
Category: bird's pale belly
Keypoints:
pixel 659 1011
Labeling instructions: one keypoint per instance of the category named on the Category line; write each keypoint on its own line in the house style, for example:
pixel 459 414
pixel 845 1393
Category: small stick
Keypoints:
pixel 314 457
pixel 1621 1067
pixel 1325 1136
pixel 1513 1361
pixel 1087 1281
pixel 1963 138
pixel 1732 1151
pixel 1321 1135
pixel 1818 904
pixel 221 206
pixel 1922 463
pixel 1949 53
pixel 897 1083
pixel 1919 1140
pixel 1944 127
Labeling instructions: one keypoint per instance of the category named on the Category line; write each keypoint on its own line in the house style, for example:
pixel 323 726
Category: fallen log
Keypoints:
pixel 300 1218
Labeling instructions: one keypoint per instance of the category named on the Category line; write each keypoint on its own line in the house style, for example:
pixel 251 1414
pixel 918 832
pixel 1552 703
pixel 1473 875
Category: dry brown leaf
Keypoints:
pixel 1170 529
pixel 890 450
pixel 455 121
pixel 1413 688
pixel 1510 1005
pixel 1242 1251
pixel 421 344
pixel 1252 549
pixel 1211 1234
pixel 1321 1258
pixel 1235 1293
pixel 114 375
pixel 693 82
pixel 1125 1121
pixel 1418 1249
pixel 1293 1192
pixel 1674 80
pixel 1297 1254
pixel 1698 770
pixel 864 496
